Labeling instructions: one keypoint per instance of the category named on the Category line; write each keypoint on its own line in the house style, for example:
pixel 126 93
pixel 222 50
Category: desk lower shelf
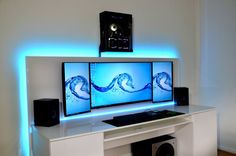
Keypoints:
pixel 138 132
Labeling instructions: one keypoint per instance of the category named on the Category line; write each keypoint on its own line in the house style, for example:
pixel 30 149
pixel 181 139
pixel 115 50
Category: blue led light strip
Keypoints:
pixel 24 124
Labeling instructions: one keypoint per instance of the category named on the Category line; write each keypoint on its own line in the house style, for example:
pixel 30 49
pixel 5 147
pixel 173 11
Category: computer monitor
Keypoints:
pixel 76 87
pixel 162 81
pixel 115 83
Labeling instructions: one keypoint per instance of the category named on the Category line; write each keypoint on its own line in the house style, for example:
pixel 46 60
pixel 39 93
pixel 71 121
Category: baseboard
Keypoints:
pixel 227 149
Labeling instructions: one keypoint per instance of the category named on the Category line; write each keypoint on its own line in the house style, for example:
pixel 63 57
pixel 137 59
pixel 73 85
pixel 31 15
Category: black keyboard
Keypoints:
pixel 141 117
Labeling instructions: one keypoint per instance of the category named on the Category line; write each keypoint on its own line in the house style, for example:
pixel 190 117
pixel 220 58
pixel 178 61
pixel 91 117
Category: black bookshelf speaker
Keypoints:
pixel 115 32
pixel 46 112
pixel 181 96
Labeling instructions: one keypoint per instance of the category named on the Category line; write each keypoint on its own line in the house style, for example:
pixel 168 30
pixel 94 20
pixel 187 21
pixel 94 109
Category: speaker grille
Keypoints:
pixel 115 32
pixel 46 112
pixel 181 96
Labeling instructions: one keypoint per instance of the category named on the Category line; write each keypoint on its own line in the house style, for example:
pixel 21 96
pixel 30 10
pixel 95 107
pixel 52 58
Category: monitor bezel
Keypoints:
pixel 172 73
pixel 64 91
pixel 123 103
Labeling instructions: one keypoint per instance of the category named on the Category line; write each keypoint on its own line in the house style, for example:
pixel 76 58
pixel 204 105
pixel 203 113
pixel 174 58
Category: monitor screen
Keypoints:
pixel 162 81
pixel 76 88
pixel 119 83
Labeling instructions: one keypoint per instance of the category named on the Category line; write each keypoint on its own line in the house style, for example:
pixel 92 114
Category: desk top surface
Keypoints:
pixel 94 124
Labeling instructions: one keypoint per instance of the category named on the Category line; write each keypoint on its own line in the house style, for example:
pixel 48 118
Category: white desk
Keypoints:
pixel 195 131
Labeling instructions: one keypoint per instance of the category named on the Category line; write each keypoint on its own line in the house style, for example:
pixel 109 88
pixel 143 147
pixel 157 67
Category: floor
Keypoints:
pixel 222 153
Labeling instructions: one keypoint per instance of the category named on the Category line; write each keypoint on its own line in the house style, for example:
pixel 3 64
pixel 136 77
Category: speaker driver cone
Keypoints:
pixel 165 149
pixel 113 27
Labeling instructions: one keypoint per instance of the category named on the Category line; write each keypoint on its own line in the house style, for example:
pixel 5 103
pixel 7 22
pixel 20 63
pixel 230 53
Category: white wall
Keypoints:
pixel 157 24
pixel 218 73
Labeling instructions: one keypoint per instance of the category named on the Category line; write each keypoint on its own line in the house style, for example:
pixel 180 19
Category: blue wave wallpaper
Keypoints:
pixel 117 83
pixel 76 88
pixel 162 81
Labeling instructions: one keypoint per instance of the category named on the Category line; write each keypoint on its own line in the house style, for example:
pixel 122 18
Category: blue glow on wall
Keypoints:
pixel 151 51
pixel 24 126
pixel 72 50
pixel 59 50
pixel 43 50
